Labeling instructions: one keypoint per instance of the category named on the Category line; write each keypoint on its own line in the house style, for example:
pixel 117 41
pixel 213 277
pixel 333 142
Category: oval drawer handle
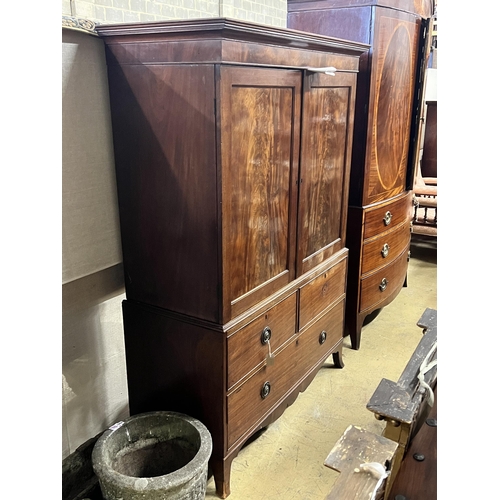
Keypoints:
pixel 383 284
pixel 266 389
pixel 387 218
pixel 265 336
pixel 322 337
pixel 385 250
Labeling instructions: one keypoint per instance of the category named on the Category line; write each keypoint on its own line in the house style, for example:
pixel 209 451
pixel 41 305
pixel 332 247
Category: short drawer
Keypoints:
pixel 383 283
pixel 246 348
pixel 251 401
pixel 385 217
pixel 317 340
pixel 318 294
pixel 383 250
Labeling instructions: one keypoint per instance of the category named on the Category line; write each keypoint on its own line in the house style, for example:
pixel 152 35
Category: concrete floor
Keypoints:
pixel 286 460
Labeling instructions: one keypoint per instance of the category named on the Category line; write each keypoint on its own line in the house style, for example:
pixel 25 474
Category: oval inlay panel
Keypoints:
pixel 394 108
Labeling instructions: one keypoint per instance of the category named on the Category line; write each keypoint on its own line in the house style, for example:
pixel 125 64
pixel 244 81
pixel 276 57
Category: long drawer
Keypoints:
pixel 386 216
pixel 255 397
pixel 385 249
pixel 376 287
pixel 247 348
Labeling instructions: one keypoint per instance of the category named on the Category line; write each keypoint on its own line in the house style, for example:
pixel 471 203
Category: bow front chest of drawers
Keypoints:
pixel 232 150
pixel 389 95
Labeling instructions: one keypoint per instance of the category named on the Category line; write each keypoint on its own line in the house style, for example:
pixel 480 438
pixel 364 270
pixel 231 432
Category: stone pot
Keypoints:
pixel 153 456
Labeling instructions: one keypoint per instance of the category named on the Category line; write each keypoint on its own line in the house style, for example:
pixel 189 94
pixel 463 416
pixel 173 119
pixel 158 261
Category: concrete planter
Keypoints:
pixel 153 456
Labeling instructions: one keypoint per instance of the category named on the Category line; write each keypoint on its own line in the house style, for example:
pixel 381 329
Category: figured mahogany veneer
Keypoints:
pixel 232 161
pixel 384 248
pixel 389 96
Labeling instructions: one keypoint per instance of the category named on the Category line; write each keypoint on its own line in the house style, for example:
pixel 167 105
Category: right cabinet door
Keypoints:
pixel 327 123
pixel 394 60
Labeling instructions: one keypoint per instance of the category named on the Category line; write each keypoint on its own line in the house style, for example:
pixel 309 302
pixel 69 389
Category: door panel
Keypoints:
pixel 325 158
pixel 260 140
pixel 393 78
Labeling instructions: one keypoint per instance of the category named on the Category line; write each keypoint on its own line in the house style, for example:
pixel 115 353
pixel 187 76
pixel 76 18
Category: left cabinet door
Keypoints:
pixel 260 135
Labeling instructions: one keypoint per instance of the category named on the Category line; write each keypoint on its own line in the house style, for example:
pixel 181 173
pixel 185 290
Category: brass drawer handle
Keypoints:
pixel 387 218
pixel 322 337
pixel 383 284
pixel 265 336
pixel 385 250
pixel 266 389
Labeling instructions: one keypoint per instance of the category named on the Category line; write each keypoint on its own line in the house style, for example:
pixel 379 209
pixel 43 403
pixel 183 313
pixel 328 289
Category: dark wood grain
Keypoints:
pixel 399 210
pixel 429 155
pixel 312 348
pixel 225 29
pixel 210 118
pixel 245 350
pixel 373 250
pixel 423 8
pixel 163 131
pixel 381 167
pixel 315 296
pixel 260 113
pixel 325 154
pixel 371 293
pixel 418 479
pixel 393 68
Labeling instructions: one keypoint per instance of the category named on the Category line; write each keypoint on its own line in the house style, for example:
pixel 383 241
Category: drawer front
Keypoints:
pixel 384 282
pixel 246 349
pixel 249 403
pixel 384 249
pixel 320 337
pixel 387 216
pixel 318 294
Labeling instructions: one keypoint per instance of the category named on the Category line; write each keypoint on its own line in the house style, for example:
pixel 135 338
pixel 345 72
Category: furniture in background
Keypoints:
pixel 388 103
pixel 232 147
pixel 425 187
pixel 403 461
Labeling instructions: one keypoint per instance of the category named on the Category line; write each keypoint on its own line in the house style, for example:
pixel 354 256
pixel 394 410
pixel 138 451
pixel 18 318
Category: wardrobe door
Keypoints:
pixel 260 133
pixel 394 60
pixel 327 123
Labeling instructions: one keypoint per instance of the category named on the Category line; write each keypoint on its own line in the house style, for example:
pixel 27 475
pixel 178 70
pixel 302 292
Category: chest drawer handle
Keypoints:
pixel 265 336
pixel 387 218
pixel 385 250
pixel 266 389
pixel 322 337
pixel 383 284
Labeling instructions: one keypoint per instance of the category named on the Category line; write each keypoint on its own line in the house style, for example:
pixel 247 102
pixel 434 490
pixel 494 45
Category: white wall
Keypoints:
pixel 94 384
pixel 271 12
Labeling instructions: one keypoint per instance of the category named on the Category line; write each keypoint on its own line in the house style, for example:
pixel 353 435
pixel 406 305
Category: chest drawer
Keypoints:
pixel 246 348
pixel 318 339
pixel 385 217
pixel 384 282
pixel 249 402
pixel 318 294
pixel 383 250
